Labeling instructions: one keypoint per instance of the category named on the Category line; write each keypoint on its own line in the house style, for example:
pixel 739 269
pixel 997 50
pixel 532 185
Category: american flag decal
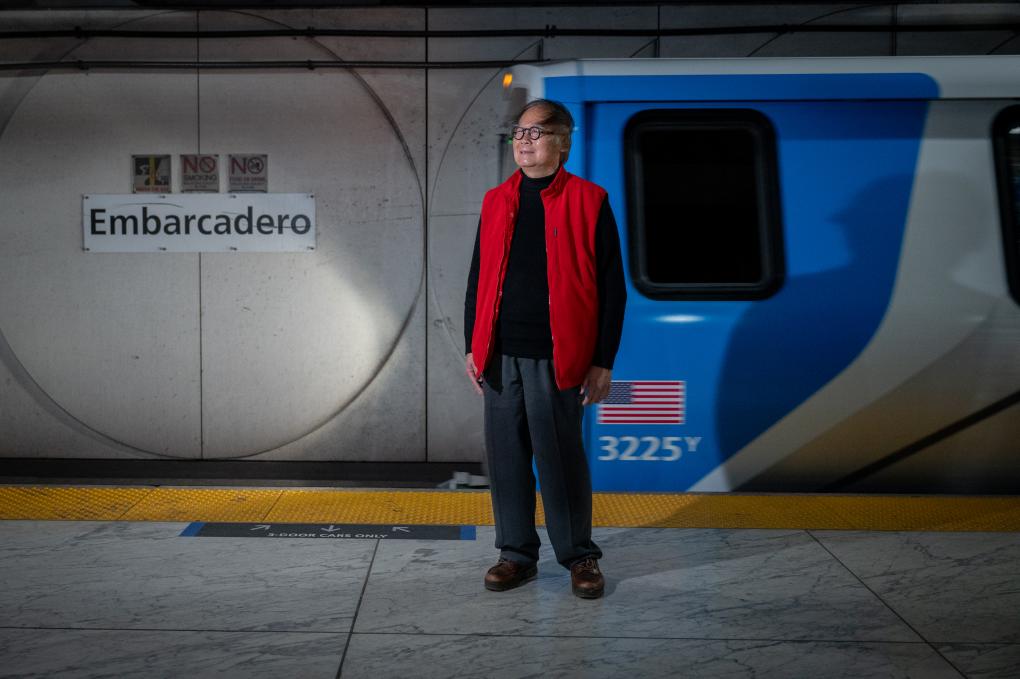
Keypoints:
pixel 644 402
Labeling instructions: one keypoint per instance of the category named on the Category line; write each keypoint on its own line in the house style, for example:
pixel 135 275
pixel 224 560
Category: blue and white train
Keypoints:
pixel 822 268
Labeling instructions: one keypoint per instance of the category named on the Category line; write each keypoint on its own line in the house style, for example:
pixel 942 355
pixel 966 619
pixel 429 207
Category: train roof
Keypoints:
pixel 954 77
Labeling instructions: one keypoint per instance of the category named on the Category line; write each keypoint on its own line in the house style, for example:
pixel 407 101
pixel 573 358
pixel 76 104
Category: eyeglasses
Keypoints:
pixel 534 133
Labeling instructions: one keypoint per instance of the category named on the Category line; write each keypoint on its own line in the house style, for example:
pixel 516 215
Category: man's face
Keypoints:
pixel 538 157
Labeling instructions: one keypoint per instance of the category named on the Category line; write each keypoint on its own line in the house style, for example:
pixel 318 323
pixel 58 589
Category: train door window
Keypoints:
pixel 703 204
pixel 1006 142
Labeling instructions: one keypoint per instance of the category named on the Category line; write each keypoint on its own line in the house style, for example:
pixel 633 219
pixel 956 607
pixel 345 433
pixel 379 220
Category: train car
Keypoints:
pixel 822 266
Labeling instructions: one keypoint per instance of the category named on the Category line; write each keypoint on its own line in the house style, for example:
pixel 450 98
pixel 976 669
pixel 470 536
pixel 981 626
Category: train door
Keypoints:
pixel 760 243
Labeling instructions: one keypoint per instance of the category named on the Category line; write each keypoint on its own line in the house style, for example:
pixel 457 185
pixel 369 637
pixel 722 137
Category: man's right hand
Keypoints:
pixel 469 367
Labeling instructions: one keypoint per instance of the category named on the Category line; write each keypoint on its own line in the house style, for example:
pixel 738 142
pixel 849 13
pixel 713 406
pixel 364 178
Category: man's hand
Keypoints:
pixel 469 367
pixel 596 384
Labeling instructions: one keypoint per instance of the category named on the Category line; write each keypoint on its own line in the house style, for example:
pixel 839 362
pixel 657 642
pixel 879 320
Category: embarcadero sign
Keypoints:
pixel 268 222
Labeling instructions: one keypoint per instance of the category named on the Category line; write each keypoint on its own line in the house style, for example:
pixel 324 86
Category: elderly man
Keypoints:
pixel 543 316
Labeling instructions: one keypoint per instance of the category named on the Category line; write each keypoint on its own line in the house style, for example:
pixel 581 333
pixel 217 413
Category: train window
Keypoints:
pixel 1006 142
pixel 703 204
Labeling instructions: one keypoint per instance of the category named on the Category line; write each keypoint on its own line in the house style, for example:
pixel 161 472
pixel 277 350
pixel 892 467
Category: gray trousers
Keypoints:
pixel 527 415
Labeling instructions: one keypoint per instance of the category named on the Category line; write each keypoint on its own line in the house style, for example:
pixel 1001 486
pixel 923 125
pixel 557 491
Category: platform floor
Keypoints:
pixel 151 598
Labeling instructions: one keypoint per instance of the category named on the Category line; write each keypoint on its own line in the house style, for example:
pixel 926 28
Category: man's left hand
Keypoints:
pixel 596 384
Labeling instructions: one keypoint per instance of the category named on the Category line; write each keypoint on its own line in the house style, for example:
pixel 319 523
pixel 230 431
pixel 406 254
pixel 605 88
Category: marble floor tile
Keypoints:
pixel 950 587
pixel 660 583
pixel 424 656
pixel 122 654
pixel 984 661
pixel 145 576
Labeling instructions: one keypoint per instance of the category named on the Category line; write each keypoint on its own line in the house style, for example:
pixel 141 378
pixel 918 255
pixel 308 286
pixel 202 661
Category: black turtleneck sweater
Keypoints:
pixel 522 327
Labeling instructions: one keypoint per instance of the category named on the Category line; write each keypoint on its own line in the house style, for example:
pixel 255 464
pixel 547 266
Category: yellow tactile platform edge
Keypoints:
pixel 472 507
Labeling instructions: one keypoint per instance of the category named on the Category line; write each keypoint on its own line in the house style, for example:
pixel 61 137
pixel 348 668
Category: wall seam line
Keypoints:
pixel 201 360
pixel 425 240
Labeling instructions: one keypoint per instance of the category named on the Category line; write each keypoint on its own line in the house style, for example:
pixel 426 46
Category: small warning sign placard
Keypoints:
pixel 200 173
pixel 248 172
pixel 150 174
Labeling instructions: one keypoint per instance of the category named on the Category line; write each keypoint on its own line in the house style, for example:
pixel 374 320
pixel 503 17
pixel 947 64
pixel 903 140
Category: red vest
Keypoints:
pixel 572 208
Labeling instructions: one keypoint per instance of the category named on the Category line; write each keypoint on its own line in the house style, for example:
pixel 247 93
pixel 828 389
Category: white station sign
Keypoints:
pixel 195 222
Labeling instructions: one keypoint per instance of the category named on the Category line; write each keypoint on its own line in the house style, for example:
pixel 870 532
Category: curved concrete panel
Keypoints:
pixel 321 327
pixel 112 338
pixel 214 355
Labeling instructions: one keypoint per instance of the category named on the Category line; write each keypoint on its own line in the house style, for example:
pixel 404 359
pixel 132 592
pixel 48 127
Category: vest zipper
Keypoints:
pixel 507 235
pixel 548 269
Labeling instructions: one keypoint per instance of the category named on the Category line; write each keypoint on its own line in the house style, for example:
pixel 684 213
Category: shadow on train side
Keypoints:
pixel 779 354
pixel 827 321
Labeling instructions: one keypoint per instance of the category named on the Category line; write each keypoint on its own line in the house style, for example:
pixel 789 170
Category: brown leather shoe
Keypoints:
pixel 507 574
pixel 586 579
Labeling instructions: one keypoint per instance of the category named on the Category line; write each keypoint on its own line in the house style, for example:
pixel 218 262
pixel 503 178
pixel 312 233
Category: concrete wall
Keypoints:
pixel 355 351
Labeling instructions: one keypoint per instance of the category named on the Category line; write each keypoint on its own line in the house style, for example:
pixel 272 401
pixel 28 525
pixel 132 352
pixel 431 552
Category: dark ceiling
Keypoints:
pixel 270 4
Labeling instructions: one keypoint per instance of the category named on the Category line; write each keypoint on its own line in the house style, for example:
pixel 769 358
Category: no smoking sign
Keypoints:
pixel 200 173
